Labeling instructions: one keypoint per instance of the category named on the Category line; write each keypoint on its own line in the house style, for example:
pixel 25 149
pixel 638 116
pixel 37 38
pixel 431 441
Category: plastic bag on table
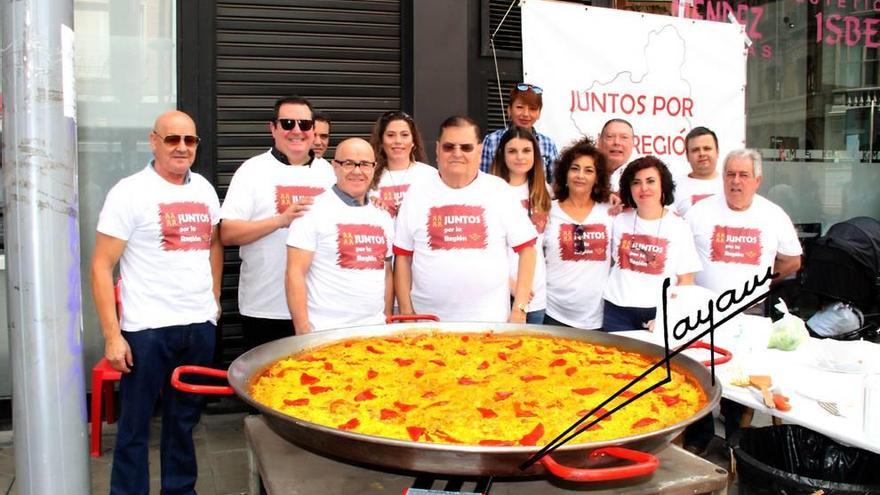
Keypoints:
pixel 788 332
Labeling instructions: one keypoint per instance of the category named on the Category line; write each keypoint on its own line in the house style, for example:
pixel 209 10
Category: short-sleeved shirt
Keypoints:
pixel 539 281
pixel 393 185
pixel 645 253
pixel 261 188
pixel 549 152
pixel 578 262
pixel 689 191
pixel 458 240
pixel 165 267
pixel 736 246
pixel 346 280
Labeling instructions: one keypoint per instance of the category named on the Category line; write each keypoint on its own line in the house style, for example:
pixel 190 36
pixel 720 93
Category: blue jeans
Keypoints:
pixel 156 352
pixel 549 320
pixel 535 317
pixel 619 318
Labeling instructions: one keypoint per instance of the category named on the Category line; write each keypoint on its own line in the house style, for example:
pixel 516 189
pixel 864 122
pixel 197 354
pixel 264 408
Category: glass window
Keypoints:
pixel 126 75
pixel 812 102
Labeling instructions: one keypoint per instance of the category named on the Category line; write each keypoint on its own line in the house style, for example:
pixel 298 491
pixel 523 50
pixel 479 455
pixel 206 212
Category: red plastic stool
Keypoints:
pixel 103 376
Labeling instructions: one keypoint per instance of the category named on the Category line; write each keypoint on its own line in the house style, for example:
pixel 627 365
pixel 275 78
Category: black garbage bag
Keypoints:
pixel 793 460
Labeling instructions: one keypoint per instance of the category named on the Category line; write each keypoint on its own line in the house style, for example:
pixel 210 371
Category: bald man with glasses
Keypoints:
pixel 160 226
pixel 266 194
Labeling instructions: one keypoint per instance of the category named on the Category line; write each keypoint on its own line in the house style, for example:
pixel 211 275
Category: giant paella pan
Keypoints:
pixel 299 414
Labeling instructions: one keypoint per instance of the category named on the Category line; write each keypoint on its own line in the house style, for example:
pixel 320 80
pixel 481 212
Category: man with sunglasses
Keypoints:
pixel 266 194
pixel 160 226
pixel 339 253
pixel 523 110
pixel 452 237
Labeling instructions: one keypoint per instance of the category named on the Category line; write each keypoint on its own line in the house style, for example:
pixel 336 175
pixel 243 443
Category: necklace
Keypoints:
pixel 650 257
pixel 402 179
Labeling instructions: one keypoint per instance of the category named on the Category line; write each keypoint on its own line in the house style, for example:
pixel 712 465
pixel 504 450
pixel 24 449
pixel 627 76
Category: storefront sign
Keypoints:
pixel 662 74
pixel 832 22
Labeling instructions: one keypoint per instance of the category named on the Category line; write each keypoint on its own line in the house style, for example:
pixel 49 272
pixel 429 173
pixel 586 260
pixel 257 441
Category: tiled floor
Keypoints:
pixel 222 457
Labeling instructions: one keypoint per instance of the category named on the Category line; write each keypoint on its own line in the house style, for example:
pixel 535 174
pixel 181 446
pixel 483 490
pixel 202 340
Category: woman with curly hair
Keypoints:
pixel 578 238
pixel 649 244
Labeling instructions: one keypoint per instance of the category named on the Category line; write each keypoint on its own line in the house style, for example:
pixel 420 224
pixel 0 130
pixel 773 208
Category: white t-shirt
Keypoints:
pixel 458 240
pixel 394 184
pixel 736 246
pixel 539 282
pixel 261 188
pixel 577 269
pixel 165 267
pixel 645 253
pixel 688 191
pixel 615 178
pixel 346 281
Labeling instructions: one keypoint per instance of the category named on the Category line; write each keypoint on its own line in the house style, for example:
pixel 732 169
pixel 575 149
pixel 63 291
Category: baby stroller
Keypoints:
pixel 843 270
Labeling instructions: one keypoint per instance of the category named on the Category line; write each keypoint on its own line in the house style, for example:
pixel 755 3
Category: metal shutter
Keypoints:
pixel 343 55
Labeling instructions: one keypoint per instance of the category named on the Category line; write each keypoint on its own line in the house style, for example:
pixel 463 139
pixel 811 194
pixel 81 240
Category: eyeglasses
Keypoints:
pixel 349 165
pixel 465 148
pixel 174 139
pixel 529 87
pixel 304 124
pixel 580 247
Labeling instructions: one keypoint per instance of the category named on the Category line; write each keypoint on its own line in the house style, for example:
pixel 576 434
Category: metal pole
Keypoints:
pixel 42 248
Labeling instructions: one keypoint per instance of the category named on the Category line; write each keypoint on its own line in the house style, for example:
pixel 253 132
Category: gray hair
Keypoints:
pixel 751 154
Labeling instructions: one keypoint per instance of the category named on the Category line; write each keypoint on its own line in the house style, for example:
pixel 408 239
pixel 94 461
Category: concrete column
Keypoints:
pixel 42 247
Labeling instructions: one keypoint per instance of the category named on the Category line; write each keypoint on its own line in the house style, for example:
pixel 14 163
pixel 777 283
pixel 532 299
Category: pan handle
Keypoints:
pixel 644 464
pixel 200 389
pixel 399 318
pixel 725 354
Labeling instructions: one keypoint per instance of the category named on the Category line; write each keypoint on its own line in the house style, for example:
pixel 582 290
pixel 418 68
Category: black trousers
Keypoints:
pixel 258 331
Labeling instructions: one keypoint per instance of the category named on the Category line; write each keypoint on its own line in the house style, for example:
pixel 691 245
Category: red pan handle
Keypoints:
pixel 725 354
pixel 645 464
pixel 200 389
pixel 399 318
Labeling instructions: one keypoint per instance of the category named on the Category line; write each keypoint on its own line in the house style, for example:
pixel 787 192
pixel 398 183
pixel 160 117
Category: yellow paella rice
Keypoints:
pixel 475 389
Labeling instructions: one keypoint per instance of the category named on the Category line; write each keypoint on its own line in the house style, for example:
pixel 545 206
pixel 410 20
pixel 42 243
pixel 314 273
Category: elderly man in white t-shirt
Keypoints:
pixel 339 253
pixel 267 192
pixel 452 236
pixel 160 226
pixel 703 180
pixel 616 140
pixel 740 237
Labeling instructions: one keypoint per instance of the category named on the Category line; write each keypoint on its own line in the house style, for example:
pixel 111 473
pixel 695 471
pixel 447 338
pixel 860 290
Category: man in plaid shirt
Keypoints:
pixel 523 110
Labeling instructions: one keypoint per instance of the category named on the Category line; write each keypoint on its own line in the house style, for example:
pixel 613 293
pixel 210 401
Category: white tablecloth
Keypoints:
pixel 797 374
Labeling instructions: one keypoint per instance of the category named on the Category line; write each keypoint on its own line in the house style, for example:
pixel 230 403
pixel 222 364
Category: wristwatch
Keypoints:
pixel 522 307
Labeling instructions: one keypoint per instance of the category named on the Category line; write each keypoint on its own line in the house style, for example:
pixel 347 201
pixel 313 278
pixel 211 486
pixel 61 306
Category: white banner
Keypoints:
pixel 663 74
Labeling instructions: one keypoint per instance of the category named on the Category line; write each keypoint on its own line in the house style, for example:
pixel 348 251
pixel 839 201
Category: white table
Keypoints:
pixel 795 374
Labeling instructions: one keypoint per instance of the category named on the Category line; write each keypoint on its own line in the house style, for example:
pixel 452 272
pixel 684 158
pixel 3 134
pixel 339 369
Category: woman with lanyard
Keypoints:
pixel 399 151
pixel 578 238
pixel 518 161
pixel 649 244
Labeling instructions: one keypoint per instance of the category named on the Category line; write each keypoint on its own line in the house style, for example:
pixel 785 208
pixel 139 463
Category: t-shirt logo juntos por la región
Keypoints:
pixel 457 227
pixel 740 245
pixel 288 195
pixel 185 226
pixel 361 247
pixel 391 196
pixel 642 253
pixel 696 198
pixel 583 242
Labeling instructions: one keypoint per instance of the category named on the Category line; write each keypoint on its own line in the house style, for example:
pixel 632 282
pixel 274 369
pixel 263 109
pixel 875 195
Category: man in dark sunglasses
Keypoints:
pixel 267 193
pixel 160 226
pixel 524 109
pixel 452 238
